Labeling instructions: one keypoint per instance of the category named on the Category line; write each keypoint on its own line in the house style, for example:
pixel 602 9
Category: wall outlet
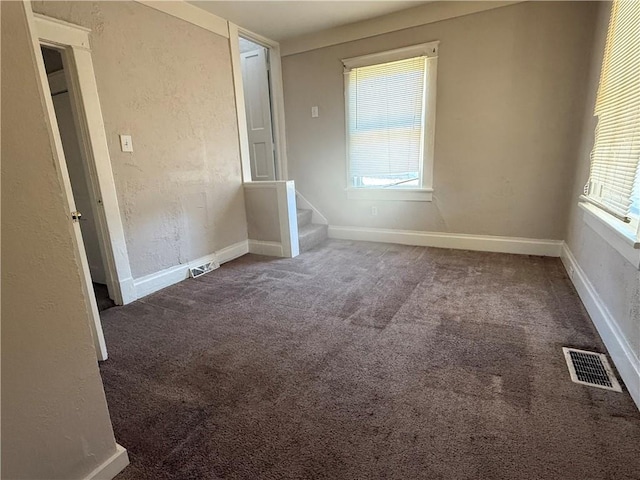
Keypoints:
pixel 374 211
pixel 126 145
pixel 314 112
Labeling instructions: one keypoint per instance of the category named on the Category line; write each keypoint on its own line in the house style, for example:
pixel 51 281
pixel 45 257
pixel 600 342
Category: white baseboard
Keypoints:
pixel 110 467
pixel 485 243
pixel 157 281
pixel 128 290
pixel 271 249
pixel 621 353
pixel 232 252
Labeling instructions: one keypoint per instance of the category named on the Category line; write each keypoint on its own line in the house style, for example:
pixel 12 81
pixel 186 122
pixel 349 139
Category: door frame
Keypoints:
pixel 255 71
pixel 73 43
pixel 277 100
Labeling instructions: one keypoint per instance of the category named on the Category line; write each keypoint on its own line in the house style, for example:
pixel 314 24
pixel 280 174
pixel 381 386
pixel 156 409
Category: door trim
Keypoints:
pixel 73 40
pixel 277 100
pixel 57 151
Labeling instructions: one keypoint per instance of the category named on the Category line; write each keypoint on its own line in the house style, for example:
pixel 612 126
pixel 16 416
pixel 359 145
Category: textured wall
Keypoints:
pixel 262 214
pixel 55 423
pixel 167 83
pixel 508 104
pixel 614 278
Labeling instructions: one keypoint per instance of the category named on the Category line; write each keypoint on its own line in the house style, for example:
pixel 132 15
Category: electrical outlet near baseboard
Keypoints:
pixel 374 211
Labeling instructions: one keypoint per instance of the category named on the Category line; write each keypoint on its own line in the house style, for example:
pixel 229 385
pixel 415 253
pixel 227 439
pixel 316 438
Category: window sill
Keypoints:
pixel 388 194
pixel 618 234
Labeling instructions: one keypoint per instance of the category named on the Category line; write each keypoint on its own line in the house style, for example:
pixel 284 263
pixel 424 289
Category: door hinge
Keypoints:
pixel 76 216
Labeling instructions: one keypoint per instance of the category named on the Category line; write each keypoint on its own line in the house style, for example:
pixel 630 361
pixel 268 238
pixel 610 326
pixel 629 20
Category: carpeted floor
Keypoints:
pixel 364 361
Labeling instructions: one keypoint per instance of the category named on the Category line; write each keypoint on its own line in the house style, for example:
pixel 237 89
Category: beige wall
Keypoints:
pixel 262 214
pixel 55 423
pixel 616 281
pixel 509 100
pixel 167 83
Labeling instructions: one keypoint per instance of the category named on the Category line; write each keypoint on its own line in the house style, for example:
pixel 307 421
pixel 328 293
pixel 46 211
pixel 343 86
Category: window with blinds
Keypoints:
pixel 387 112
pixel 614 179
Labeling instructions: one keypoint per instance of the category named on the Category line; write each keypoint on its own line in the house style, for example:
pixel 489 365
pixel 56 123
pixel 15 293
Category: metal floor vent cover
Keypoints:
pixel 590 368
pixel 202 269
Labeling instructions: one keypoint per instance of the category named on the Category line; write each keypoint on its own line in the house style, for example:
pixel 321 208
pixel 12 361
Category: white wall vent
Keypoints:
pixel 590 368
pixel 200 270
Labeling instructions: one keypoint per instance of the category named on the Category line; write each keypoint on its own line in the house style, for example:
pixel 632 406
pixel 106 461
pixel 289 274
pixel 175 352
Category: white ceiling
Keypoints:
pixel 279 20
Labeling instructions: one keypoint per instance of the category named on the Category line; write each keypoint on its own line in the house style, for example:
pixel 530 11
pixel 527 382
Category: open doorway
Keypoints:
pixel 83 195
pixel 65 48
pixel 256 85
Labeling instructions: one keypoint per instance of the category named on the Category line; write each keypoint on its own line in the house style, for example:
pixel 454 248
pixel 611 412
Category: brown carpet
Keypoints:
pixel 364 361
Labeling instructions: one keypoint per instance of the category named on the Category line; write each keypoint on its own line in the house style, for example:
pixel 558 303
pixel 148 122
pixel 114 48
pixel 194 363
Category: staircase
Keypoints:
pixel 309 234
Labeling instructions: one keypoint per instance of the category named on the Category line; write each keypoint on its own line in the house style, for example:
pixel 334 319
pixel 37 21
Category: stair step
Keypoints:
pixel 304 217
pixel 311 235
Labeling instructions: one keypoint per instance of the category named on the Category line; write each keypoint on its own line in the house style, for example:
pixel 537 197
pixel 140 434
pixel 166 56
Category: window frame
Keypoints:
pixel 424 193
pixel 622 236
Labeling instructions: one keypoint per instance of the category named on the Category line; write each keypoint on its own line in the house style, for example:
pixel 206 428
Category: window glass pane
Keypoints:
pixel 386 123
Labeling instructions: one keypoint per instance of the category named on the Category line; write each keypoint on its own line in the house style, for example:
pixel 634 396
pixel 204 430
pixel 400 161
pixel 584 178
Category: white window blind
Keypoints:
pixel 614 182
pixel 386 119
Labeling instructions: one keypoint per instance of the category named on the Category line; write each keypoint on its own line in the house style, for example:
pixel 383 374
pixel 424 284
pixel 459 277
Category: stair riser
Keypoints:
pixel 304 218
pixel 312 237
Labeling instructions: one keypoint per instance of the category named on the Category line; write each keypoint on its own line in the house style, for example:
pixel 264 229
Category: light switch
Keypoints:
pixel 125 143
pixel 314 112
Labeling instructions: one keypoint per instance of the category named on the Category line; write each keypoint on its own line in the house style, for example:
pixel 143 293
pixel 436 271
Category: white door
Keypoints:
pixel 79 184
pixel 87 285
pixel 255 81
